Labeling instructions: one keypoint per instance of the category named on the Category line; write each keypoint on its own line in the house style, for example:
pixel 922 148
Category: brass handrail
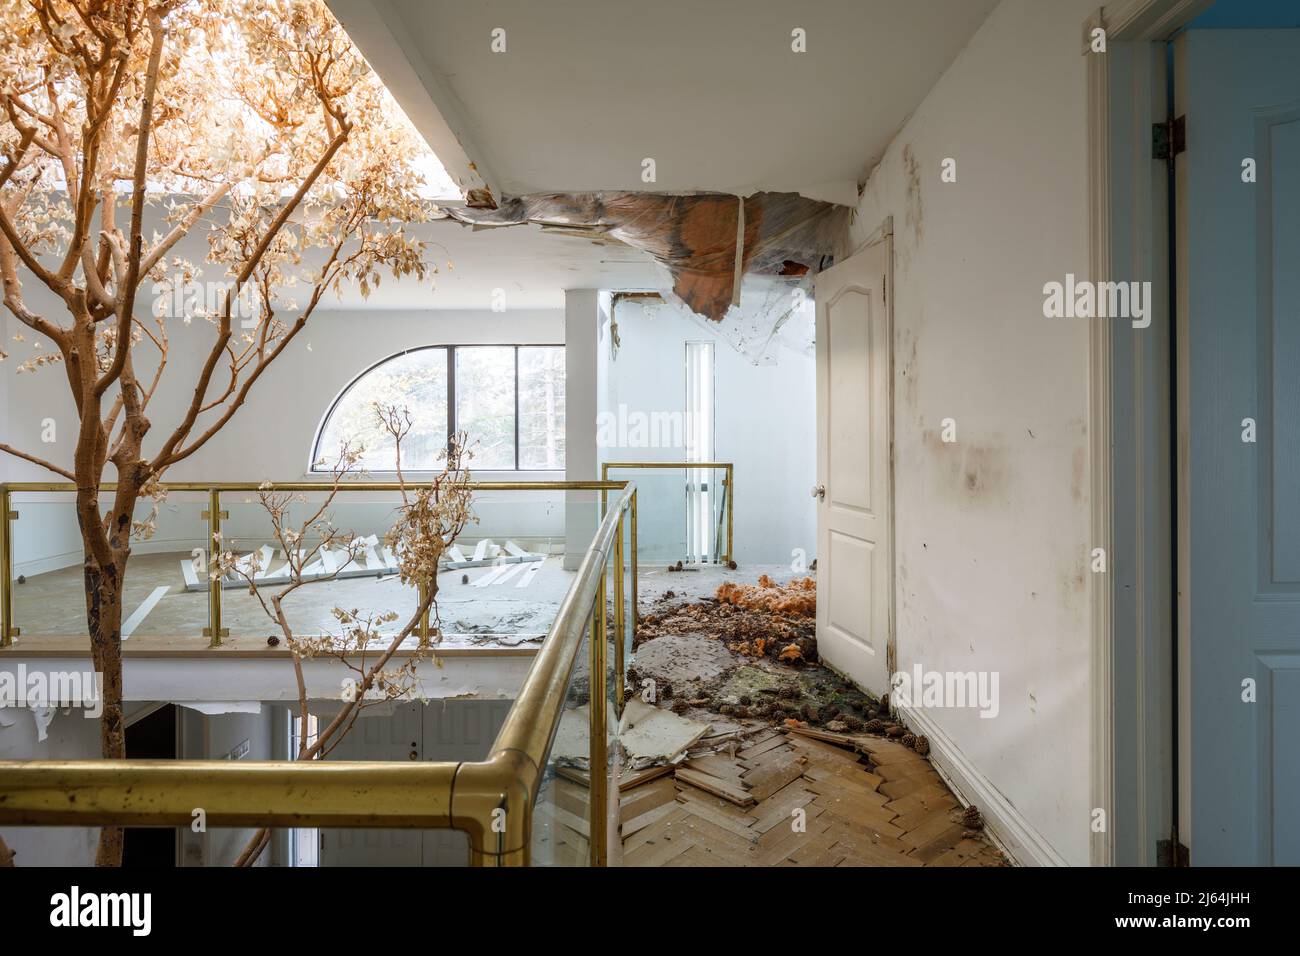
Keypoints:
pixel 728 481
pixel 491 800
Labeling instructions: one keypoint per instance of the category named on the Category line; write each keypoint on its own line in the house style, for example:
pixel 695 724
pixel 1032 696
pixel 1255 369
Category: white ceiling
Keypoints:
pixel 710 90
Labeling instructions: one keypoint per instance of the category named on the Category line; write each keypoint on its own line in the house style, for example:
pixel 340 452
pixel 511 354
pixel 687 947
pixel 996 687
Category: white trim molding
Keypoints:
pixel 1152 19
pixel 1008 828
pixel 1102 758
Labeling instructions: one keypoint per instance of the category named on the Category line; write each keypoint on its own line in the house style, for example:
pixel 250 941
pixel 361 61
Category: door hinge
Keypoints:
pixel 1168 139
pixel 1172 853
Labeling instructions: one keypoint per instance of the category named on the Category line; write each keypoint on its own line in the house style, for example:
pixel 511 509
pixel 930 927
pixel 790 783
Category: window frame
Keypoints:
pixel 450 350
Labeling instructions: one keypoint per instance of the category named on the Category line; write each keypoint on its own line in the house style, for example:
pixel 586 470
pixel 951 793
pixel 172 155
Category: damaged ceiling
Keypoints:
pixel 705 242
pixel 549 118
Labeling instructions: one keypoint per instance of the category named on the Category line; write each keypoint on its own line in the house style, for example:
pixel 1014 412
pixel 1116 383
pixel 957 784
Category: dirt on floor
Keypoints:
pixel 749 653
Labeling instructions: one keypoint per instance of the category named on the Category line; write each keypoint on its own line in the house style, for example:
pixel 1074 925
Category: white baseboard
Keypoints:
pixel 44 565
pixel 1003 822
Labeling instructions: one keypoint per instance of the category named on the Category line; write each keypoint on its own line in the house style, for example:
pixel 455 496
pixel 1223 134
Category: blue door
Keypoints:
pixel 1239 325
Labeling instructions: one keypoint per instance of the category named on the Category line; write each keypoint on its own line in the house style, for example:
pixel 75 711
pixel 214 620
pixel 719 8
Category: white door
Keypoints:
pixel 395 737
pixel 448 731
pixel 1239 325
pixel 855 566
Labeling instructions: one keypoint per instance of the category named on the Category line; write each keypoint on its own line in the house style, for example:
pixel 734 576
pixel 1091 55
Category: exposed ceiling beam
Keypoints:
pixel 384 40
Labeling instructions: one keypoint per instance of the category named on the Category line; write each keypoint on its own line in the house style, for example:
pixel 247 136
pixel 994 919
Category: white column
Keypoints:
pixel 582 318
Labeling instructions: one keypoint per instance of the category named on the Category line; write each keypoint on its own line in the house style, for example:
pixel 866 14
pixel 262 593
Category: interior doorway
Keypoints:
pixel 854 491
pixel 151 737
pixel 1195 138
pixel 447 731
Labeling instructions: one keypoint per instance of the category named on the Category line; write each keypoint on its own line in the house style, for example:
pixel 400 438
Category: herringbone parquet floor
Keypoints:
pixel 809 803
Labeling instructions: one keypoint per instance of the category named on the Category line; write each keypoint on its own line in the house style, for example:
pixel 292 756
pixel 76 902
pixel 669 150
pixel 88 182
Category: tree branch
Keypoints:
pixel 126 293
pixel 38 461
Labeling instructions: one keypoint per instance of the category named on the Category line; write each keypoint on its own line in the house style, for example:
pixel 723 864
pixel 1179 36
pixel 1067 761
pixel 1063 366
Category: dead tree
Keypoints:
pixel 257 121
pixel 432 515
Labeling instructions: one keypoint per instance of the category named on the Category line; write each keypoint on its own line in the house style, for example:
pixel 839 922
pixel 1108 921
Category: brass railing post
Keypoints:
pixel 620 618
pixel 731 503
pixel 598 767
pixel 6 572
pixel 636 593
pixel 214 631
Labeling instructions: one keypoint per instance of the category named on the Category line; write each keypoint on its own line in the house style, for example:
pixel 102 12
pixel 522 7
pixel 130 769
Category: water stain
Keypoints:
pixel 915 216
pixel 1078 465
pixel 909 372
pixel 973 471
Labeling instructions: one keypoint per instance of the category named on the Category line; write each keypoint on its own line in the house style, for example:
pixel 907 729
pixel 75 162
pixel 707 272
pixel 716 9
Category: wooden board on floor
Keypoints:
pixel 728 791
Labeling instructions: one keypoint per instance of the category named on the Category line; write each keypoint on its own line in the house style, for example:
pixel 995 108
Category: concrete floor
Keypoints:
pixel 53 604
pixel 690 586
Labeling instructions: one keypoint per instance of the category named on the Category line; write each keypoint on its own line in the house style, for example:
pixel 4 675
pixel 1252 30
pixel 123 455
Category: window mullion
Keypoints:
pixel 516 408
pixel 451 397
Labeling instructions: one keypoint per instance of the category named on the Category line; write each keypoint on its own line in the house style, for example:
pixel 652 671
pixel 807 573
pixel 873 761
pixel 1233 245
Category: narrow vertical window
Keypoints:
pixel 701 494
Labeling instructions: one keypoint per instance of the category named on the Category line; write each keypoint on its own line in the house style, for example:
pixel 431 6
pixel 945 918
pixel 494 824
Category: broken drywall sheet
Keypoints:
pixel 706 242
pixel 650 735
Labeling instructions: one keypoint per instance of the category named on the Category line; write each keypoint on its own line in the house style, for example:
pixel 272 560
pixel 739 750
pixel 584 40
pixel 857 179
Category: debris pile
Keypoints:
pixel 796 599
pixel 767 620
pixel 748 653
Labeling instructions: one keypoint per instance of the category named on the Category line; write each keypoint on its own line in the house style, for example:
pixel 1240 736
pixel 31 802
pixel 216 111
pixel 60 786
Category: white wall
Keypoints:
pixel 270 437
pixel 214 737
pixel 71 735
pixel 992 531
pixel 764 424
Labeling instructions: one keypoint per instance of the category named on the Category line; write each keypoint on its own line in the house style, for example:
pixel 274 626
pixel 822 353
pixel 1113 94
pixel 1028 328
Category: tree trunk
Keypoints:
pixel 104 619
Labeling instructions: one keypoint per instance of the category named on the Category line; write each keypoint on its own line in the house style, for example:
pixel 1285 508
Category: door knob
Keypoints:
pixel 819 491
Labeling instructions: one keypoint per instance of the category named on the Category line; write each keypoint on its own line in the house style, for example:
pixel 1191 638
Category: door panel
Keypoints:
pixel 854 532
pixel 449 731
pixel 1240 321
pixel 392 737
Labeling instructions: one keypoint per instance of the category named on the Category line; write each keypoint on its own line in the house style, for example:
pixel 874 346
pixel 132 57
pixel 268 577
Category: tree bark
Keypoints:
pixel 104 617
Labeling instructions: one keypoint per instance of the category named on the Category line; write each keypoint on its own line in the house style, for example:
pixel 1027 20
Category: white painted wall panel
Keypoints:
pixel 992 531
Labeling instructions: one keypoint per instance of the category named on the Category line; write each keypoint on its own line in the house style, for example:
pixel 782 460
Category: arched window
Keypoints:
pixel 508 399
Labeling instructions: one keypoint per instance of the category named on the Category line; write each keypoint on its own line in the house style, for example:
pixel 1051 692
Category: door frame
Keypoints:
pixel 1132 477
pixel 884 233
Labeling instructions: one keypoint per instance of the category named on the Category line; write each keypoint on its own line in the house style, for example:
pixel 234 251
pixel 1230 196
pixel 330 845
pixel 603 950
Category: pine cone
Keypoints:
pixel 922 745
pixel 884 702
pixel 971 818
pixel 853 723
pixel 873 727
pixel 909 740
